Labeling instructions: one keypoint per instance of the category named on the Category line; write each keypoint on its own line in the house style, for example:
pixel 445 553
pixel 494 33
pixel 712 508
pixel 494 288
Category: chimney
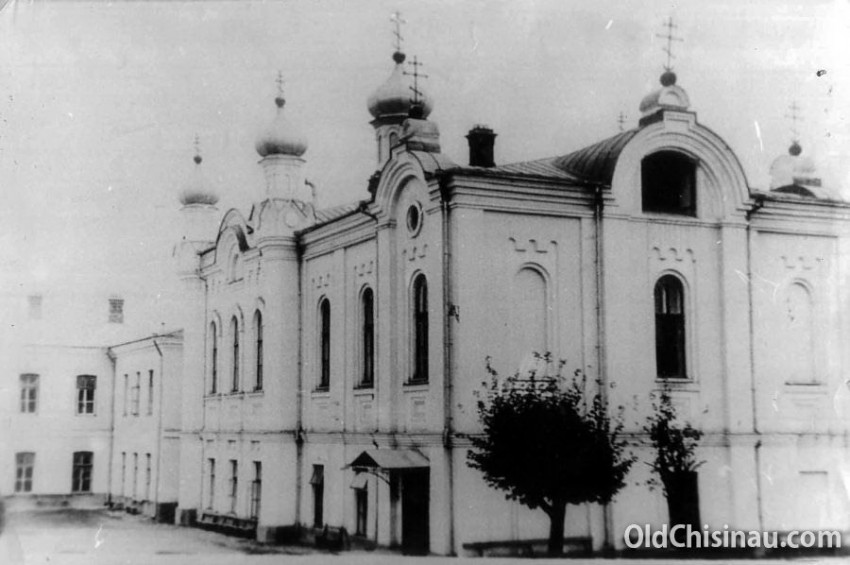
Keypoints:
pixel 481 141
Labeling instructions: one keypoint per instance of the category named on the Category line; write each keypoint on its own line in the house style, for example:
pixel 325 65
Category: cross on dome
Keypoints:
pixel 398 21
pixel 794 116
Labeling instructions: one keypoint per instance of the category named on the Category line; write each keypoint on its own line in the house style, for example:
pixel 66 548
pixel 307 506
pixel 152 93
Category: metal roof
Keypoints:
pixel 329 214
pixel 390 459
pixel 536 168
pixel 595 163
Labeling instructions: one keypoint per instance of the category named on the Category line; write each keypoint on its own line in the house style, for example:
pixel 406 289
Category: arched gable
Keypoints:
pixel 403 168
pixel 233 227
pixel 722 188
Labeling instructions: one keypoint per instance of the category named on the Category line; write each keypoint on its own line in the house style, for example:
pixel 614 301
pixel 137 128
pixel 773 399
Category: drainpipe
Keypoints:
pixel 376 343
pixel 449 309
pixel 757 205
pixel 299 430
pixel 159 430
pixel 203 402
pixel 598 208
pixel 112 359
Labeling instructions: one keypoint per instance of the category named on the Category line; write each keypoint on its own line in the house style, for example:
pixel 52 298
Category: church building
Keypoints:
pixel 331 356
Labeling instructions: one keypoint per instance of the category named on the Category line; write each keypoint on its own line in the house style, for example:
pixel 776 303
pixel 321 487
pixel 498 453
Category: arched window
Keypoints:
pixel 325 344
pixel 235 266
pixel 670 328
pixel 420 329
pixel 234 328
pixel 529 318
pixel 797 351
pixel 213 359
pixel 367 304
pixel 258 353
pixel 668 183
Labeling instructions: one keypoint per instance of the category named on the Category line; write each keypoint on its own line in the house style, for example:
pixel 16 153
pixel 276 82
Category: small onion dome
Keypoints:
pixel 281 137
pixel 669 97
pixel 393 98
pixel 793 169
pixel 198 190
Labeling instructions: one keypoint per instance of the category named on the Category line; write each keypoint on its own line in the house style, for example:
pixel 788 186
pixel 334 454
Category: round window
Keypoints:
pixel 414 218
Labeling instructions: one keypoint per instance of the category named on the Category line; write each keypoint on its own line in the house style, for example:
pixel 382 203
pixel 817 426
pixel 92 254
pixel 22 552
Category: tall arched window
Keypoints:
pixel 529 318
pixel 368 337
pixel 420 329
pixel 258 352
pixel 325 344
pixel 670 328
pixel 797 351
pixel 213 359
pixel 234 328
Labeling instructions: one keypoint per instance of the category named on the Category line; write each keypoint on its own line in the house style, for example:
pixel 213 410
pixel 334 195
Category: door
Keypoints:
pixel 415 487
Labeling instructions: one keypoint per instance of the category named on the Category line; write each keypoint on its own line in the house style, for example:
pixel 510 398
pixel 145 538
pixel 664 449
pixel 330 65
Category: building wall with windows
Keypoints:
pixel 57 402
pixel 56 389
pixel 645 260
pixel 146 407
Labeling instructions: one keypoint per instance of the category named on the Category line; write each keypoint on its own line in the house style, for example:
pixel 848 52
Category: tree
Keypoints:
pixel 675 464
pixel 547 443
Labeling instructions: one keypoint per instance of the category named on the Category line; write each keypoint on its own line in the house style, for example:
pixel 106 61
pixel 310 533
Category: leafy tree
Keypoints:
pixel 675 464
pixel 548 442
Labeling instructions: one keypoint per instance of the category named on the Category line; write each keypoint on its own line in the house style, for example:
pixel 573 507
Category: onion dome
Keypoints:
pixel 281 137
pixel 198 190
pixel 393 98
pixel 793 169
pixel 669 97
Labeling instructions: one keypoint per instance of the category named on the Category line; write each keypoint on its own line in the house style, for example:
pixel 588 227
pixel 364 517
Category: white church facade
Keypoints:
pixel 331 382
pixel 325 373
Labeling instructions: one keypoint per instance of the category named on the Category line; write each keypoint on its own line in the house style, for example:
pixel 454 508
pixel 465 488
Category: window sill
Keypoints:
pixel 808 386
pixel 676 383
pixel 416 385
pixel 321 392
pixel 364 388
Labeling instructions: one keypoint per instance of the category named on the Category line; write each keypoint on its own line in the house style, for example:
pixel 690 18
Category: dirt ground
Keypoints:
pixel 101 537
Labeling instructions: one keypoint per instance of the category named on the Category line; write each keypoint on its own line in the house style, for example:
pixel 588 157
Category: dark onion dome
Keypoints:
pixel 795 149
pixel 198 190
pixel 668 78
pixel 393 98
pixel 281 137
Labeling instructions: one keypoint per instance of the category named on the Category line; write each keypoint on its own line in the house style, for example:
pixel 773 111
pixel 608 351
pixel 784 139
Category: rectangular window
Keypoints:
pixel 29 393
pixel 82 471
pixel 123 473
pixel 150 392
pixel 34 302
pixel 24 467
pixel 126 391
pixel 135 475
pixel 256 490
pixel 116 311
pixel 134 394
pixel 86 385
pixel 234 484
pixel 211 482
pixel 148 476
pixel 318 482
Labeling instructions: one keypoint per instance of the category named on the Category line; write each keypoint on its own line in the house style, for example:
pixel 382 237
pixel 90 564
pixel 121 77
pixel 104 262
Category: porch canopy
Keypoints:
pixel 389 460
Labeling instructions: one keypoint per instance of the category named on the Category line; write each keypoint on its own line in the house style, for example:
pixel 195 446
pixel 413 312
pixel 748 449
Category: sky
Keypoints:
pixel 100 102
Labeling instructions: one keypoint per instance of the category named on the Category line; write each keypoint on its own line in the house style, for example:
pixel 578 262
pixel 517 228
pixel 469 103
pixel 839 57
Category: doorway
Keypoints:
pixel 415 502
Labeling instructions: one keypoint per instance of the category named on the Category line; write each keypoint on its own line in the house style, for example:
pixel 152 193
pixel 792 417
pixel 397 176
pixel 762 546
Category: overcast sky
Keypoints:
pixel 100 101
